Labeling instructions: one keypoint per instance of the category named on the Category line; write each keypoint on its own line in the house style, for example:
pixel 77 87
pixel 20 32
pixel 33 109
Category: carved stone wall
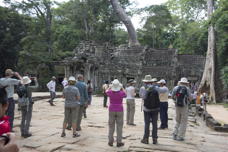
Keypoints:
pixel 102 62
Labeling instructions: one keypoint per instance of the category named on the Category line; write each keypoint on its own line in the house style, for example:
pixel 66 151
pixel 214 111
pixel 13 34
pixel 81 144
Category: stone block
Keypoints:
pixel 221 128
pixel 210 122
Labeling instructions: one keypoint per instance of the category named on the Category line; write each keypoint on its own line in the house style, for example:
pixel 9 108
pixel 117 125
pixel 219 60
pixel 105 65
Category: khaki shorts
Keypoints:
pixel 71 114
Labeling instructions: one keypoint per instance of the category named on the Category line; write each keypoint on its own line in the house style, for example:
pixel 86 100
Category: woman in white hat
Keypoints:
pixel 116 95
pixel 72 105
pixel 25 101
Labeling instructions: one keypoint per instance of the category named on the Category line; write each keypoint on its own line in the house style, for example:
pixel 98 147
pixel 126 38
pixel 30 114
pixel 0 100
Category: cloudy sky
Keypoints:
pixel 136 19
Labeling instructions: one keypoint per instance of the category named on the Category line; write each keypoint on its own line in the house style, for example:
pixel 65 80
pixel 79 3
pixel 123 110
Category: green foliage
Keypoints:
pixel 12 30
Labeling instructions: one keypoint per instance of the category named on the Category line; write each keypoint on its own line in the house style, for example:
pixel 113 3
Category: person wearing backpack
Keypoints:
pixel 181 95
pixel 151 108
pixel 26 103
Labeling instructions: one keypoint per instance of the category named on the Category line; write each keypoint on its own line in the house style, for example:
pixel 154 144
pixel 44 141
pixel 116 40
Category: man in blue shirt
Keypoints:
pixel 81 85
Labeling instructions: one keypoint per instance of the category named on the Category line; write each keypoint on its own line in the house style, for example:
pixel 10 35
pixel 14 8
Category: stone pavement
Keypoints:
pixel 218 112
pixel 47 121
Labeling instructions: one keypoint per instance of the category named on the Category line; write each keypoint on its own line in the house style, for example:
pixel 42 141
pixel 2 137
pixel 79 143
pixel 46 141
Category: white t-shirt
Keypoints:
pixel 51 86
pixel 130 92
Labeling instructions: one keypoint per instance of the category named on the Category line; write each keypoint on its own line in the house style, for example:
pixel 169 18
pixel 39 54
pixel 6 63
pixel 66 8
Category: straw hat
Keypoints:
pixel 154 80
pixel 147 78
pixel 131 81
pixel 184 80
pixel 116 85
pixel 26 80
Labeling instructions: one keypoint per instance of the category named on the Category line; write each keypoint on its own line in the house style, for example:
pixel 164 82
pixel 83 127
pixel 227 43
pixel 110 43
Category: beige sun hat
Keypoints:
pixel 184 80
pixel 26 80
pixel 147 78
pixel 116 85
pixel 72 78
pixel 154 80
pixel 131 81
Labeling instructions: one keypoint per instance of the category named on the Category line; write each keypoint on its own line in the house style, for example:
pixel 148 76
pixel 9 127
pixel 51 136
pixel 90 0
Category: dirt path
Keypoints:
pixel 47 125
pixel 218 112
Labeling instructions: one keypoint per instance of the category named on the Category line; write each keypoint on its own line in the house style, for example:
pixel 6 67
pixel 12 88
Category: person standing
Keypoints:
pixel 163 104
pixel 105 88
pixel 80 84
pixel 9 83
pixel 151 108
pixel 72 105
pixel 64 82
pixel 182 95
pixel 26 103
pixel 51 86
pixel 116 95
pixel 130 90
pixel 90 91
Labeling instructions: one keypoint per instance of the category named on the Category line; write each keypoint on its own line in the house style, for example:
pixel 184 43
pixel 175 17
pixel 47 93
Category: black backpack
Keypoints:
pixel 152 100
pixel 181 95
pixel 21 91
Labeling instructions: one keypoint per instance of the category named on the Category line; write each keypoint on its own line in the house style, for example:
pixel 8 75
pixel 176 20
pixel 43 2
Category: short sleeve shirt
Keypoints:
pixel 116 100
pixel 70 93
pixel 10 83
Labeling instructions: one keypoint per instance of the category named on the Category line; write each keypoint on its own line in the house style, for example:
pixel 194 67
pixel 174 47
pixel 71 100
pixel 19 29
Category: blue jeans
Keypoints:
pixel 10 111
pixel 151 116
pixel 164 114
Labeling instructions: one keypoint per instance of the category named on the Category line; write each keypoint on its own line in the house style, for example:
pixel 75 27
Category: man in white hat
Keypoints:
pixel 182 95
pixel 51 86
pixel 163 96
pixel 151 106
pixel 72 105
pixel 130 90
pixel 26 104
pixel 9 83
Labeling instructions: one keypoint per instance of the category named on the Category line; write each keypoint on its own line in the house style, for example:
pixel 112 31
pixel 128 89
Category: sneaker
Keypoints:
pixel 63 134
pixel 145 141
pixel 27 135
pixel 155 141
pixel 110 144
pixel 76 135
pixel 174 137
pixel 132 124
pixel 120 144
pixel 180 139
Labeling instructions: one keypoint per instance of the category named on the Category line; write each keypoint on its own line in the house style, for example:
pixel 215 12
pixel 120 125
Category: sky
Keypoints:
pixel 136 19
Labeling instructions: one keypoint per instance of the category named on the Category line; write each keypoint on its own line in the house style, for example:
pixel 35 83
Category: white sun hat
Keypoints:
pixel 71 78
pixel 26 80
pixel 116 85
pixel 147 78
pixel 162 81
pixel 183 80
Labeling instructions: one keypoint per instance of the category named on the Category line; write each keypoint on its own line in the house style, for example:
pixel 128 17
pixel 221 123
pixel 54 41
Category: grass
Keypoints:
pixel 225 105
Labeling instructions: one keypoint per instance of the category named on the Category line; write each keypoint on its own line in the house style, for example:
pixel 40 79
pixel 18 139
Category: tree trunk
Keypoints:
pixel 208 82
pixel 133 41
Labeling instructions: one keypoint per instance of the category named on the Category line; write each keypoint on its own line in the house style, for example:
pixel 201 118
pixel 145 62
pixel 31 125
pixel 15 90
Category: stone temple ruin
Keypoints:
pixel 102 62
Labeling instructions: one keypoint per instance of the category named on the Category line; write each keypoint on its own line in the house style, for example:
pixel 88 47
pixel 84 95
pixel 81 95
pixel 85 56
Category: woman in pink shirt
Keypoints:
pixel 116 95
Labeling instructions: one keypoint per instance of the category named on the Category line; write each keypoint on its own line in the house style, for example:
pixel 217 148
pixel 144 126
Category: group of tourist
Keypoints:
pixel 78 96
pixel 155 96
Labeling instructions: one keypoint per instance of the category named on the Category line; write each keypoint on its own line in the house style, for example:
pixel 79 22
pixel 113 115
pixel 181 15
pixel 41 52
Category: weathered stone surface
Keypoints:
pixel 47 126
pixel 103 62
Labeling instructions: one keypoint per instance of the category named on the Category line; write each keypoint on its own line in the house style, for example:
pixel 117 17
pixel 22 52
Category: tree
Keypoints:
pixel 209 82
pixel 12 30
pixel 133 41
